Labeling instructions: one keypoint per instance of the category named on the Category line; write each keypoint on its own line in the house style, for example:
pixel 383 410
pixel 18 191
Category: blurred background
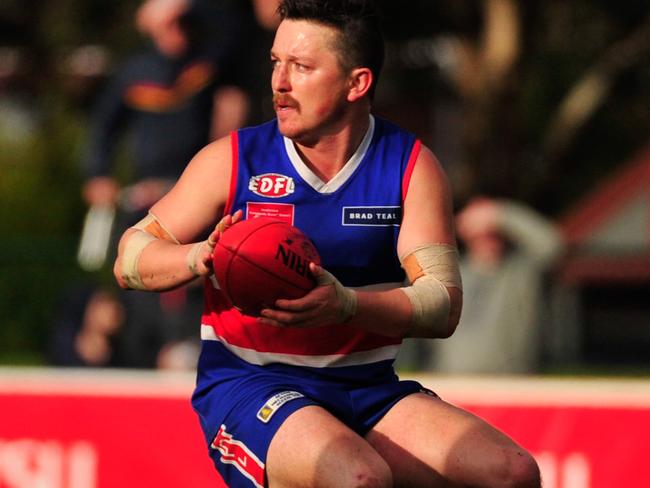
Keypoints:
pixel 539 112
pixel 542 103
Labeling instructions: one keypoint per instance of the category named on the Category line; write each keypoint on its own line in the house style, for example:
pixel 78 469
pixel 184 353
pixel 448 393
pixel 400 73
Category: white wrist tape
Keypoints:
pixel 192 258
pixel 430 270
pixel 147 230
pixel 347 297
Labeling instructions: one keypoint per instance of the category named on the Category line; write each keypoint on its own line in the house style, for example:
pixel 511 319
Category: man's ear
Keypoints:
pixel 361 80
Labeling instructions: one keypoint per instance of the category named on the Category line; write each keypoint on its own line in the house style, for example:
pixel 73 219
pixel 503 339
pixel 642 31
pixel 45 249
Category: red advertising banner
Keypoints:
pixel 584 433
pixel 580 447
pixel 63 429
pixel 100 430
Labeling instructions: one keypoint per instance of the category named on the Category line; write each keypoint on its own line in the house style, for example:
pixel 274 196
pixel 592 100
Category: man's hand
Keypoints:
pixel 101 191
pixel 328 303
pixel 199 258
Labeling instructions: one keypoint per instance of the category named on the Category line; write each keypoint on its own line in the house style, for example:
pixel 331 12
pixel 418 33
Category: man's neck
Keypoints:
pixel 329 154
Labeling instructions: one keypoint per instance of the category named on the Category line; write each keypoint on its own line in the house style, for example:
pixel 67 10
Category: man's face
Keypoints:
pixel 309 86
pixel 161 21
pixel 486 247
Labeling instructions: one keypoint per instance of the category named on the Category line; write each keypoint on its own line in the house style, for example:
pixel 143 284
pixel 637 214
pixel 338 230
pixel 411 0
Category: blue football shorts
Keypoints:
pixel 241 406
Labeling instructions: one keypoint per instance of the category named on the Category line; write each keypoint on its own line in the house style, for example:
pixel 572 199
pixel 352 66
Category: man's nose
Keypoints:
pixel 280 79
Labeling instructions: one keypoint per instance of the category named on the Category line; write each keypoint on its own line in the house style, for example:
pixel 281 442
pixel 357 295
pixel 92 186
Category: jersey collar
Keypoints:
pixel 342 176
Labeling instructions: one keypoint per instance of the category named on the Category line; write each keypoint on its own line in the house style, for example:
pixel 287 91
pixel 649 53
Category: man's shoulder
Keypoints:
pixel 387 132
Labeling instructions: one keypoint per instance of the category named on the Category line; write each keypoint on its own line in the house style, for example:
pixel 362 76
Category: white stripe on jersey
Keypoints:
pixel 322 361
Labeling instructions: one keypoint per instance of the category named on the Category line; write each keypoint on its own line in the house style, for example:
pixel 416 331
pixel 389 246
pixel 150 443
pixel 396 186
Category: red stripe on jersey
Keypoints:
pixel 244 331
pixel 234 143
pixel 415 152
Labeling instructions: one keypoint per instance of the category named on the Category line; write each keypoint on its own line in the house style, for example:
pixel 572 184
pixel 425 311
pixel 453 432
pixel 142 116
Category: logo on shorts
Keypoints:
pixel 274 403
pixel 372 216
pixel 236 453
pixel 273 185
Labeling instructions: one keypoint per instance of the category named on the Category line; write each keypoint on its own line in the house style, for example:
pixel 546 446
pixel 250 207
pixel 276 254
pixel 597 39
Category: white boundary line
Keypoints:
pixel 474 390
pixel 96 382
pixel 540 391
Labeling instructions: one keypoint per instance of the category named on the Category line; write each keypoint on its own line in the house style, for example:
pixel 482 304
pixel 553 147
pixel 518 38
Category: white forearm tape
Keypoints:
pixel 152 225
pixel 131 255
pixel 430 270
pixel 147 230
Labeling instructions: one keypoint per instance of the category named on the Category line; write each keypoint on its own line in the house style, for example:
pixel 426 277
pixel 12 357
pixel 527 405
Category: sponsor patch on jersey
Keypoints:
pixel 274 403
pixel 279 211
pixel 372 216
pixel 273 185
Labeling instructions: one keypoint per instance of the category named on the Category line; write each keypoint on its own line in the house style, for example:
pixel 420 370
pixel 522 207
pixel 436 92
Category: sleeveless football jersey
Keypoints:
pixel 354 221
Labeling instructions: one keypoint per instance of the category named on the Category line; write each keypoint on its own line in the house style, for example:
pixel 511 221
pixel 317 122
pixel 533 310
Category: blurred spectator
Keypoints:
pixel 158 325
pixel 179 355
pixel 261 20
pixel 87 330
pixel 508 250
pixel 167 101
pixel 20 115
pixel 172 97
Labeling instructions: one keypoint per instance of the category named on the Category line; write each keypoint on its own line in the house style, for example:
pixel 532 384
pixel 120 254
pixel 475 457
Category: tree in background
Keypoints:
pixel 528 88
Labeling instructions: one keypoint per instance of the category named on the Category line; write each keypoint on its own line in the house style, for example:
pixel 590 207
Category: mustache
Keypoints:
pixel 283 100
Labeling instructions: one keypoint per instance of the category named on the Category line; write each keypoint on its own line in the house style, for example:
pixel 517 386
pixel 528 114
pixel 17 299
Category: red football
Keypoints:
pixel 259 260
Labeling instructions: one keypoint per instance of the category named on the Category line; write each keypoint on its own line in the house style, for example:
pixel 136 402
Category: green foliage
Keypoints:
pixel 35 269
pixel 41 210
pixel 39 214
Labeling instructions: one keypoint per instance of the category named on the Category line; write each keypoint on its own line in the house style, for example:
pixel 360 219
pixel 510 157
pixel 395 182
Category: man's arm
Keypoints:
pixel 108 120
pixel 534 233
pixel 163 252
pixel 427 220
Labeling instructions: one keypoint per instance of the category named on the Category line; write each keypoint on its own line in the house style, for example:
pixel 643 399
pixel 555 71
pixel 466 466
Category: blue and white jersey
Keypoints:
pixel 354 221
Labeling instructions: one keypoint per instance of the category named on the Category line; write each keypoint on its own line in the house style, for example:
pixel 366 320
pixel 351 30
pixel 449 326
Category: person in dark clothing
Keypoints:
pixel 166 97
pixel 260 20
pixel 167 101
